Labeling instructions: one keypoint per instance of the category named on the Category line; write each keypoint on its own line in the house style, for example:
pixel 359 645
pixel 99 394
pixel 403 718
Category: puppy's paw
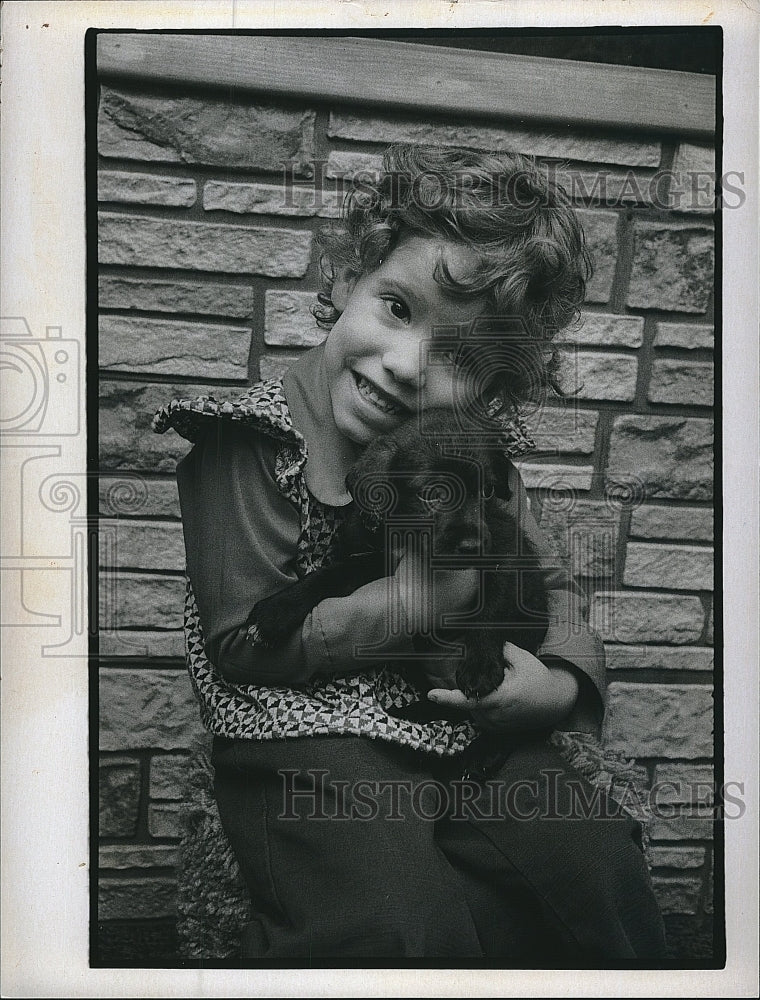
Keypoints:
pixel 267 625
pixel 481 673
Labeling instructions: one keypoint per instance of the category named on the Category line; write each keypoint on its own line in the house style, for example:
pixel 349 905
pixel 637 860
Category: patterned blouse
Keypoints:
pixel 360 703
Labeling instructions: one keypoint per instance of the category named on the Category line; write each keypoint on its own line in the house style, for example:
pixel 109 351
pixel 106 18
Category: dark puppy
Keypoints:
pixel 450 498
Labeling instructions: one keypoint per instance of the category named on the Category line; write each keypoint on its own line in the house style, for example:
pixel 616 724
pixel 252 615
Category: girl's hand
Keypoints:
pixel 531 696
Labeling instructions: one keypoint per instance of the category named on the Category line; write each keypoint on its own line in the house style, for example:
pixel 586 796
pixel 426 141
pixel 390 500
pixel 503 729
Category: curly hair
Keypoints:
pixel 531 258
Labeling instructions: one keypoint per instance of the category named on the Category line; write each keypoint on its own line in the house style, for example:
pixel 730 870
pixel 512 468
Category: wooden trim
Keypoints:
pixel 425 78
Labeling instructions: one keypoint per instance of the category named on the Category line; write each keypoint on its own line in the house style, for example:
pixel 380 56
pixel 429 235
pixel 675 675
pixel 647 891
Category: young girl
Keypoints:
pixel 355 834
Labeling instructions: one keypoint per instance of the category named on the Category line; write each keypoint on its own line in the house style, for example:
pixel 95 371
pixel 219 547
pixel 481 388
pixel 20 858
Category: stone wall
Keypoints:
pixel 208 267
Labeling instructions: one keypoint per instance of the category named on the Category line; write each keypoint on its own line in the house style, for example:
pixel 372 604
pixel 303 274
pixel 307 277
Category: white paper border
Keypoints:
pixel 45 904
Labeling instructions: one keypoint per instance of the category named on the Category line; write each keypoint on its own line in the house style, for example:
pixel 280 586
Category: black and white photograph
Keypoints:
pixel 375 511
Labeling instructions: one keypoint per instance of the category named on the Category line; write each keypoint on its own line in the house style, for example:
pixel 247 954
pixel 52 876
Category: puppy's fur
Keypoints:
pixel 457 494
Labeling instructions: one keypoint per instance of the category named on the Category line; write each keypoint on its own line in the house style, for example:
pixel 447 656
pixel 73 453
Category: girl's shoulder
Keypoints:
pixel 262 407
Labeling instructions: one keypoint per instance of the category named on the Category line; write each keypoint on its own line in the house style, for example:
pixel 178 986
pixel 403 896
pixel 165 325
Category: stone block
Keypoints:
pixel 351 164
pixel 689 336
pixel 163 819
pixel 139 241
pixel 687 784
pixel 140 600
pixel 646 657
pixel 605 330
pixel 143 644
pixel 134 495
pixel 124 424
pixel 136 899
pixel 168 776
pixel 604 187
pixel 118 797
pixel 259 199
pixel 687 383
pixel 205 298
pixel 677 895
pixel 132 544
pixel 669 567
pixel 693 187
pixel 330 203
pixel 598 375
pixel 672 267
pixel 677 857
pixel 585 534
pixel 709 632
pixel 672 522
pixel 270 199
pixel 600 229
pixel 681 827
pixel 147 709
pixel 633 617
pixel 543 476
pixel 564 429
pixel 660 720
pixel 288 321
pixel 125 856
pixel 146 189
pixel 210 131
pixel 662 456
pixel 562 144
pixel 168 347
pixel 694 158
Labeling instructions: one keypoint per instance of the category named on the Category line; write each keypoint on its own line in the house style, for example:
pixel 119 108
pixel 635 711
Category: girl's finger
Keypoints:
pixel 451 699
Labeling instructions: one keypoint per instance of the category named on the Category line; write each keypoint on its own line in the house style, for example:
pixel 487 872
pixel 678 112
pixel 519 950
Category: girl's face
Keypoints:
pixel 376 355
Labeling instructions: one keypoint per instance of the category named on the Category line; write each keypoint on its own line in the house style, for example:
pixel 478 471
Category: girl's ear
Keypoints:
pixel 343 285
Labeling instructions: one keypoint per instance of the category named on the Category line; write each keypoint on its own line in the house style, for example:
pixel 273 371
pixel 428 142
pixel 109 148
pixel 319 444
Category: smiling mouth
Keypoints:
pixel 379 399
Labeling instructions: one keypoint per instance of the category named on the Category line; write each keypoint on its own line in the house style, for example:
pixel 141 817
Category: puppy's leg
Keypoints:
pixel 274 618
pixel 514 610
pixel 483 667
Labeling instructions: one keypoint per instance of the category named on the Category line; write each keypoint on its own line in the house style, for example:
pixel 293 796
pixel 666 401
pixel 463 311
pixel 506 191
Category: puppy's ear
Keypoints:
pixel 370 483
pixel 502 467
pixel 373 463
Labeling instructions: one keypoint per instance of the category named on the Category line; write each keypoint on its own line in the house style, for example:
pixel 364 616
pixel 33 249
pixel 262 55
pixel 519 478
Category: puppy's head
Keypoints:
pixel 432 479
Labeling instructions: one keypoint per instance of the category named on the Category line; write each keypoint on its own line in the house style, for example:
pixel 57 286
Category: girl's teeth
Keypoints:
pixel 370 392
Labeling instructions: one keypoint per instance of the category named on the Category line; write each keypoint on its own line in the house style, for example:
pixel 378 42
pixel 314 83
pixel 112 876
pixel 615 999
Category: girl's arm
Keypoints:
pixel 241 537
pixel 569 642
pixel 565 683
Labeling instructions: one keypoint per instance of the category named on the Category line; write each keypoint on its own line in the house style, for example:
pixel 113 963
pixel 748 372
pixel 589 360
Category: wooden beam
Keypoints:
pixel 424 78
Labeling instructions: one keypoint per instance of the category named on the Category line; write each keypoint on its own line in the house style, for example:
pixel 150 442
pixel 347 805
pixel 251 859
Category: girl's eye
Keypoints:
pixel 398 308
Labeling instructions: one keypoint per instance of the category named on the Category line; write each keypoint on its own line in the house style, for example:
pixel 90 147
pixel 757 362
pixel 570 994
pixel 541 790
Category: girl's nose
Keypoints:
pixel 403 363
